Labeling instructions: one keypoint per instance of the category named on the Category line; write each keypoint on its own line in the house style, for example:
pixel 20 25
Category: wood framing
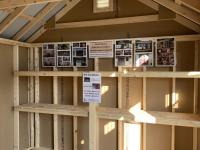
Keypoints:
pixel 55 117
pixel 75 119
pixel 31 96
pixel 35 20
pixel 69 5
pixel 37 99
pixel 150 117
pixel 11 18
pixel 144 107
pixel 192 4
pixel 16 97
pixel 106 22
pixel 189 14
pixel 195 102
pixel 150 4
pixel 4 4
pixel 147 74
pixel 120 105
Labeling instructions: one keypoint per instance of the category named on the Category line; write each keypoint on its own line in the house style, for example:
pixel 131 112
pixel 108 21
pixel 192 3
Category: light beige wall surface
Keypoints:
pixel 6 98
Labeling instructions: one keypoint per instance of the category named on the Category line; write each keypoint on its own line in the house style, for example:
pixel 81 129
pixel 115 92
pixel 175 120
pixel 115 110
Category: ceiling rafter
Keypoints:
pixel 192 4
pixel 4 4
pixel 187 13
pixel 69 5
pixel 11 18
pixel 39 17
pixel 181 20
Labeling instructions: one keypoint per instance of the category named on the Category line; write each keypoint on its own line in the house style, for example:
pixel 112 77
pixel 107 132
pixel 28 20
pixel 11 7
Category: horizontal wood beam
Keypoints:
pixel 4 4
pixel 192 4
pixel 13 43
pixel 147 74
pixel 56 109
pixel 187 13
pixel 106 22
pixel 151 117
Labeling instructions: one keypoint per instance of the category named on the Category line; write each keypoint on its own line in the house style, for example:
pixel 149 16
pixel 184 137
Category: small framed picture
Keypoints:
pixel 64 55
pixel 48 55
pixel 166 52
pixel 144 52
pixel 124 53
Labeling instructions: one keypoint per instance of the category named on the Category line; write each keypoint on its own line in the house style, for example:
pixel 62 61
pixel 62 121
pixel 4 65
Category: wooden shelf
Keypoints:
pixel 134 74
pixel 150 117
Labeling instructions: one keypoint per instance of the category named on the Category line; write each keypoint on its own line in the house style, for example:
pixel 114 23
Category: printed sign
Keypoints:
pixel 101 49
pixel 92 87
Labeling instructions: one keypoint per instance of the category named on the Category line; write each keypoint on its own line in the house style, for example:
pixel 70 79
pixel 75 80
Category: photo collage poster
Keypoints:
pixel 144 52
pixel 64 55
pixel 123 53
pixel 48 55
pixel 79 54
pixel 165 52
pixel 101 49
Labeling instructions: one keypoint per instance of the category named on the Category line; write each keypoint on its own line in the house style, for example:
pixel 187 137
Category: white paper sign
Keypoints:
pixel 101 49
pixel 92 87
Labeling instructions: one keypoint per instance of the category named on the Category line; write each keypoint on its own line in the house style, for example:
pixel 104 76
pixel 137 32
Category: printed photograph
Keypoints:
pixel 144 59
pixel 86 79
pixel 143 46
pixel 48 62
pixel 48 53
pixel 63 53
pixel 63 46
pixel 96 86
pixel 51 46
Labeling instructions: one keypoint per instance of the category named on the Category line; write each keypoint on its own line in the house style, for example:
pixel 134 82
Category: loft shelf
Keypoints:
pixel 136 74
pixel 151 117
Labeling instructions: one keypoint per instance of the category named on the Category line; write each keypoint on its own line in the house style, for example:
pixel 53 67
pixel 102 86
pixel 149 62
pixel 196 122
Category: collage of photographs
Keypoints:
pixel 123 53
pixel 48 55
pixel 64 55
pixel 79 54
pixel 147 52
pixel 165 52
pixel 144 53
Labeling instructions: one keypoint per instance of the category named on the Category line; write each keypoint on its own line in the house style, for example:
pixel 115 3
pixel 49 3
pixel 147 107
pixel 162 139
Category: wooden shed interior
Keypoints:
pixel 142 108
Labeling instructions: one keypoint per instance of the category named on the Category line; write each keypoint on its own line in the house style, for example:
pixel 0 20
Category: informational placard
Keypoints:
pixel 48 55
pixel 92 87
pixel 79 53
pixel 64 55
pixel 123 53
pixel 165 52
pixel 143 52
pixel 101 49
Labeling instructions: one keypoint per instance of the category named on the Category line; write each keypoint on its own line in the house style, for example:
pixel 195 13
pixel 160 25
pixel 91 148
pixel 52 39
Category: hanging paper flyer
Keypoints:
pixel 92 87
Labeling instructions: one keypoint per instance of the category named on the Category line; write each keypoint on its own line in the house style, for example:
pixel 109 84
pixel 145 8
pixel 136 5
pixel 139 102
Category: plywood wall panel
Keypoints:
pixel 158 137
pixel 6 98
pixel 23 130
pixel 159 93
pixel 65 90
pixel 183 138
pixel 46 131
pixel 83 133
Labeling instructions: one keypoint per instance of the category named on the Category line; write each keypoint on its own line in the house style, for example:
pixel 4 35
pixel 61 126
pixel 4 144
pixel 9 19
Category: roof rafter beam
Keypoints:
pixel 35 20
pixel 11 18
pixel 192 4
pixel 187 13
pixel 105 22
pixel 4 4
pixel 69 5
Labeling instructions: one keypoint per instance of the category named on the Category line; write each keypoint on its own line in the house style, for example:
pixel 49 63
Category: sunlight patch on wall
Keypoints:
pixel 104 89
pixel 110 126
